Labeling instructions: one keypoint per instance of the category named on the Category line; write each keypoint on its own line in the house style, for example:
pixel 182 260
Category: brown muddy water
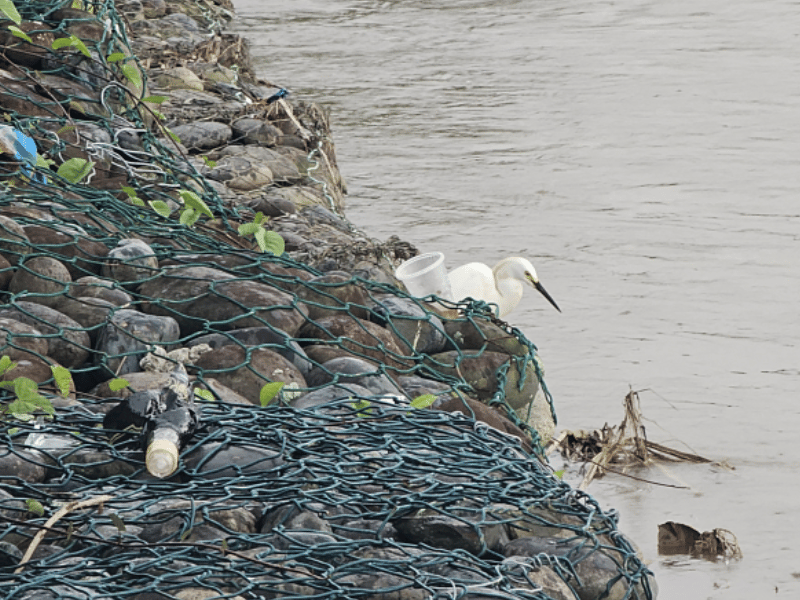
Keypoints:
pixel 644 155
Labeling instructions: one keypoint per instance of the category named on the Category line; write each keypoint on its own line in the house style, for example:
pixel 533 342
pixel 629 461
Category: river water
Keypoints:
pixel 644 156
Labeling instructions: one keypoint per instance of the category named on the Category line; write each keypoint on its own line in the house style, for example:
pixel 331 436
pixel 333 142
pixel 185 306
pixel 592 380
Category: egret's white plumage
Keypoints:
pixel 503 285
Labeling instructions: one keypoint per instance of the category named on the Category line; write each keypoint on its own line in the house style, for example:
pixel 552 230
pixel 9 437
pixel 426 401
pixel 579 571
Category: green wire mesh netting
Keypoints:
pixel 342 485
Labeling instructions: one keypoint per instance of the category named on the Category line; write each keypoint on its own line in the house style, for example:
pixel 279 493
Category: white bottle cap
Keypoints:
pixel 162 458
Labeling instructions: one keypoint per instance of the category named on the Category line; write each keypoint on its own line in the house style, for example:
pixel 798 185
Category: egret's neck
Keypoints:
pixel 508 286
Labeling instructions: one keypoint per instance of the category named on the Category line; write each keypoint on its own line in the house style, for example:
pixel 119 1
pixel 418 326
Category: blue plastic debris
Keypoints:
pixel 22 148
pixel 281 93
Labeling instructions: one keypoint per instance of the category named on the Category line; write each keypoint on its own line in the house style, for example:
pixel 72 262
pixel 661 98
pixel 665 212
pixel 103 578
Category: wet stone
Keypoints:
pixel 127 337
pixel 203 135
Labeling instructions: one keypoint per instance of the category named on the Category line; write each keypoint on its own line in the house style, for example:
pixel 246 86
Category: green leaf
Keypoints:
pixel 17 32
pixel 26 389
pixel 137 201
pixel 161 207
pixel 155 99
pixel 129 191
pixel 174 137
pixel 8 9
pixel 188 217
pixel 423 401
pixel 259 218
pixel 360 406
pixel 132 74
pixel 75 169
pixel 117 384
pixel 194 201
pixel 248 228
pixel 6 364
pixel 63 379
pixel 65 129
pixel 559 474
pixel 209 163
pixel 44 163
pixel 71 42
pixel 61 43
pixel 269 241
pixel 117 521
pixel 204 394
pixel 13 431
pixel 115 57
pixel 269 391
pixel 35 507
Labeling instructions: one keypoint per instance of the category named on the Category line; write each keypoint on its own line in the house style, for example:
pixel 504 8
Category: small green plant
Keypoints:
pixel 26 391
pixel 75 169
pixel 117 384
pixel 72 41
pixel 206 395
pixel 10 11
pixel 35 507
pixel 268 241
pixel 269 391
pixel 423 401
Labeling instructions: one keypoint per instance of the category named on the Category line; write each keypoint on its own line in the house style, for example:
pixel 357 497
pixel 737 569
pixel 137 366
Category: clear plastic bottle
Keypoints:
pixel 168 418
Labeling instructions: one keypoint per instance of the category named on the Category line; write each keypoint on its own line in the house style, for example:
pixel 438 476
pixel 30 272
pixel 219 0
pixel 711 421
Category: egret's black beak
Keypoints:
pixel 544 293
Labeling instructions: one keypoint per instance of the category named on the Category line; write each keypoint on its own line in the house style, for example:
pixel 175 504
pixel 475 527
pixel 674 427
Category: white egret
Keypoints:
pixel 502 285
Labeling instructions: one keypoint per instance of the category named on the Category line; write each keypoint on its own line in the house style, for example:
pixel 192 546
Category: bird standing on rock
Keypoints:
pixel 503 285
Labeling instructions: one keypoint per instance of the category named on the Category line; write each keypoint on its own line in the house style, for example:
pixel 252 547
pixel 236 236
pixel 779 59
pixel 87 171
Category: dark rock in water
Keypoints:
pixel 255 131
pixel 217 461
pixel 277 340
pixel 358 336
pixel 596 568
pixel 415 329
pixel 127 337
pixel 195 295
pixel 130 263
pixel 67 343
pixel 347 369
pixel 43 278
pixel 203 135
pixel 22 464
pixel 332 294
pixel 246 375
pixel 457 529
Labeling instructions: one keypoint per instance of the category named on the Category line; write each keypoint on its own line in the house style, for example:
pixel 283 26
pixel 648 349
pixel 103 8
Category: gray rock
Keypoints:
pixel 347 369
pixel 21 464
pixel 255 131
pixel 284 170
pixel 203 135
pixel 339 396
pixel 241 173
pixel 332 294
pixel 96 287
pixel 43 278
pixel 128 336
pixel 67 342
pixel 218 461
pixel 455 529
pixel 90 313
pixel 596 568
pixel 275 339
pixel 131 262
pixel 247 374
pixel 20 339
pixel 415 329
pixel 201 296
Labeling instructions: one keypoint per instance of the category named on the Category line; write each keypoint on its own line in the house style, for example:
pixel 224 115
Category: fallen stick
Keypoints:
pixel 67 508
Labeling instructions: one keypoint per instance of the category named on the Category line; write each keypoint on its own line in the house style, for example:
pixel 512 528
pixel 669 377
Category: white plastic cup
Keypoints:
pixel 424 275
